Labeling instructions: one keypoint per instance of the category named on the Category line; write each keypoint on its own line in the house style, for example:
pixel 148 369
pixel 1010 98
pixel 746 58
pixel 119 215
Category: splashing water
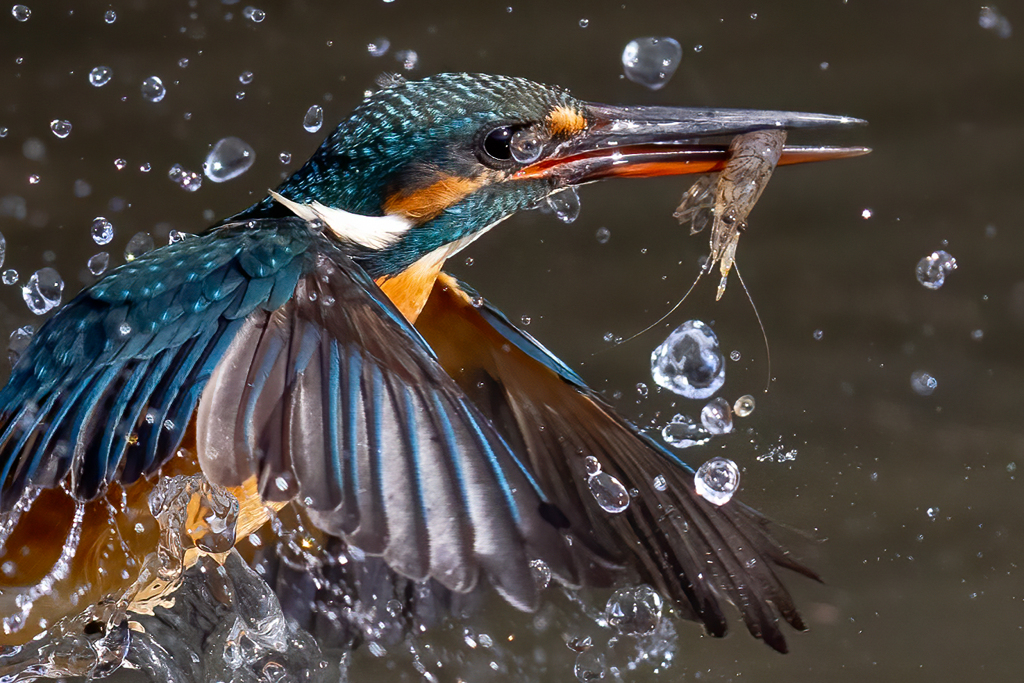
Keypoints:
pixel 313 119
pixel 44 291
pixel 634 611
pixel 689 362
pixel 651 62
pixel 682 432
pixel 716 416
pixel 229 158
pixel 717 480
pixel 933 269
pixel 565 204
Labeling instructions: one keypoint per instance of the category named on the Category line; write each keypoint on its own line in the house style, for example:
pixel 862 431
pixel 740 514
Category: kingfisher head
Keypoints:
pixel 424 167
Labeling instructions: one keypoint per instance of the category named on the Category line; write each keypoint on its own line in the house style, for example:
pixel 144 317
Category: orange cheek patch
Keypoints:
pixel 426 203
pixel 565 121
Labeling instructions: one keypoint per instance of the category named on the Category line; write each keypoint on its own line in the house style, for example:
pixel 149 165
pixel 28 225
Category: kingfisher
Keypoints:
pixel 310 351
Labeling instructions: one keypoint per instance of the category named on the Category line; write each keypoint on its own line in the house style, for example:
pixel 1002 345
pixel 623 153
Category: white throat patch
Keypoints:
pixel 372 232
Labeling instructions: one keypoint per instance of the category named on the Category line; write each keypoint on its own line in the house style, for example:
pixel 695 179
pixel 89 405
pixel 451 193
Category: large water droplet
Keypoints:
pixel 565 204
pixel 922 383
pixel 717 480
pixel 651 61
pixel 313 119
pixel 683 432
pixel 21 12
pixel 933 269
pixel 634 611
pixel 43 291
pixel 100 76
pixel 98 263
pixel 609 492
pixel 153 89
pixel 229 158
pixel 716 416
pixel 689 361
pixel 61 128
pixel 102 231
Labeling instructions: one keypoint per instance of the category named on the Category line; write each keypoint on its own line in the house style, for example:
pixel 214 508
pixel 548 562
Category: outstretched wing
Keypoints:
pixel 334 399
pixel 699 554
pixel 106 389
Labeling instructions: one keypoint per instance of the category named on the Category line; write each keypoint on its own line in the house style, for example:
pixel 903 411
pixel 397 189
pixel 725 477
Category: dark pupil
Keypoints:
pixel 497 143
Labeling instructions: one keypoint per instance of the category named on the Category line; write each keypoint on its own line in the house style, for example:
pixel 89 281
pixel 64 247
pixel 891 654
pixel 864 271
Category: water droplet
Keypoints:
pixel 651 61
pixel 659 483
pixel 21 12
pixel 634 611
pixel 734 356
pixel 609 492
pixel 592 464
pixel 3 131
pixel 100 76
pixel 379 47
pixel 469 260
pixel 818 334
pixel 933 513
pixel 689 362
pixel 641 389
pixel 229 158
pixel 541 573
pixel 976 335
pixel 245 78
pixel 990 18
pixel 43 291
pixel 584 23
pixel 19 341
pixel 313 119
pixel 183 62
pixel 717 480
pixel 153 89
pixel 716 416
pixel 526 320
pixel 823 66
pixel 565 204
pixel 254 14
pixel 10 276
pixel 102 231
pixel 285 157
pixel 603 235
pixel 139 244
pixel 590 666
pixel 683 432
pixel 119 163
pixel 408 58
pixel 240 95
pixel 33 179
pixel 110 16
pixel 922 383
pixel 933 269
pixel 125 329
pixel 866 214
pixel 98 263
pixel 3 249
pixel 744 405
pixel 190 181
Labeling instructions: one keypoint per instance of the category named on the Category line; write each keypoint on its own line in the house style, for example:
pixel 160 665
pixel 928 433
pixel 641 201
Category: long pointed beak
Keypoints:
pixel 641 142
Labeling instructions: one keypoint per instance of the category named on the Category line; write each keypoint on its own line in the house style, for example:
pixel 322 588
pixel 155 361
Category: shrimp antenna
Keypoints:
pixel 764 335
pixel 660 320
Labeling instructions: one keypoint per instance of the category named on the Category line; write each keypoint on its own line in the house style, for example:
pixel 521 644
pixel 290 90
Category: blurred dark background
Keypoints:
pixel 909 594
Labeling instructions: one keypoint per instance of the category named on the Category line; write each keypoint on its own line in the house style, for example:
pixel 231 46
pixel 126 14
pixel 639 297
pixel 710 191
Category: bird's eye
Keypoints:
pixel 527 145
pixel 497 144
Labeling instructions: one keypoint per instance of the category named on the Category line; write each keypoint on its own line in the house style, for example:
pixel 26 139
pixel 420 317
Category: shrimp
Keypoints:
pixel 726 199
